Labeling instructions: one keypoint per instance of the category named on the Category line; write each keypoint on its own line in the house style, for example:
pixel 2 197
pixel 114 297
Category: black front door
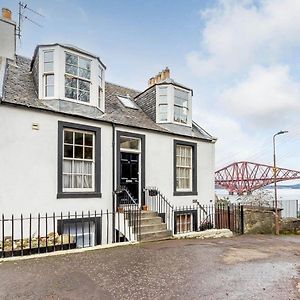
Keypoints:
pixel 130 173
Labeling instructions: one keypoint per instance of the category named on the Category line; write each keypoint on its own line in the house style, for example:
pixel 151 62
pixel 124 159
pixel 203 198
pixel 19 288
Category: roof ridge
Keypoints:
pixel 122 86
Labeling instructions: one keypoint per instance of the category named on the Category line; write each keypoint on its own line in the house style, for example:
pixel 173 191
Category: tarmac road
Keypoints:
pixel 243 267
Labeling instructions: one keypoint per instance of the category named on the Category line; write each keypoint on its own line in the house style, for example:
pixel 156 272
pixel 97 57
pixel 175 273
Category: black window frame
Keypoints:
pixel 97 184
pixel 97 221
pixel 194 214
pixel 194 191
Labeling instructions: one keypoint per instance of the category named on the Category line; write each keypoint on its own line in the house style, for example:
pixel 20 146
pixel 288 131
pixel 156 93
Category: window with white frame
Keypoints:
pixel 163 104
pixel 77 77
pixel 183 222
pixel 100 87
pixel 49 73
pixel 180 105
pixel 78 160
pixel 184 168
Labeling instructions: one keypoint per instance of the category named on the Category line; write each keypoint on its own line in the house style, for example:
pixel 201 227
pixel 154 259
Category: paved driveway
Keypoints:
pixel 245 267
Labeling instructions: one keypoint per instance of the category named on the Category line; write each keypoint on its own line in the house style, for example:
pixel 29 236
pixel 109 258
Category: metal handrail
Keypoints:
pixel 123 189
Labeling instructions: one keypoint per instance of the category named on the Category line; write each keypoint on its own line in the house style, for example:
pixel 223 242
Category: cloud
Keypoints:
pixel 238 33
pixel 267 95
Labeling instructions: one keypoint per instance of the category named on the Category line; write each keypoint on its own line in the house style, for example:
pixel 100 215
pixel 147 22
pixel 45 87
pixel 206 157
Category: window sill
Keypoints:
pixel 185 193
pixel 79 195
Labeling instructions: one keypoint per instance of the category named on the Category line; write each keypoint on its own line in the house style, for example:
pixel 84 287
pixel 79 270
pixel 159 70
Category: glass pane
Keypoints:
pixel 48 67
pixel 70 93
pixel 49 79
pixel 84 73
pixel 78 138
pixel 88 153
pixel 78 152
pixel 83 96
pixel 68 151
pixel 129 143
pixel 49 91
pixel 48 56
pixel 67 166
pixel 163 91
pixel 68 137
pixel 71 59
pixel 83 85
pixel 77 167
pixel 88 139
pixel 88 168
pixel 77 181
pixel 67 181
pixel 71 69
pixel 70 82
pixel 163 99
pixel 87 181
pixel 84 63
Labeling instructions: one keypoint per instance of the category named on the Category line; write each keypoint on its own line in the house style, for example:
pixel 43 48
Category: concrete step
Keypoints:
pixel 148 214
pixel 156 236
pixel 153 228
pixel 151 221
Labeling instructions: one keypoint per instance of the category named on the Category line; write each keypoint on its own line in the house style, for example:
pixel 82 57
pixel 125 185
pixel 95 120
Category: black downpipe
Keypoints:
pixel 113 180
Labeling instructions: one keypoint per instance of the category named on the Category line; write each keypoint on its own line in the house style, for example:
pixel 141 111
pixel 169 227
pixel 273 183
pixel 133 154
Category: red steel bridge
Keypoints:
pixel 245 177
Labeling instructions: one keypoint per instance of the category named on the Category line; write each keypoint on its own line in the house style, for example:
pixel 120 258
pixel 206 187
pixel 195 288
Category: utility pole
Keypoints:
pixel 275 180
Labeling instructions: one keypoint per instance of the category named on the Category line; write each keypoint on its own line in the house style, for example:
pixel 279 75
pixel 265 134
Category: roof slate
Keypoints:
pixel 19 89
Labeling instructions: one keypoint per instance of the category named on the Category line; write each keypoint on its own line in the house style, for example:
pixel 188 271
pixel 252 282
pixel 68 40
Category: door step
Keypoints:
pixel 153 228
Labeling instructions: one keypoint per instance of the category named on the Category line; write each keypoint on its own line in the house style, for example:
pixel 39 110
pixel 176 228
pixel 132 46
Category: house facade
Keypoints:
pixel 70 140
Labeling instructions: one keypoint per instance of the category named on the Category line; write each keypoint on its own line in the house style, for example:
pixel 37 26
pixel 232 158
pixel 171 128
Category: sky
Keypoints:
pixel 241 58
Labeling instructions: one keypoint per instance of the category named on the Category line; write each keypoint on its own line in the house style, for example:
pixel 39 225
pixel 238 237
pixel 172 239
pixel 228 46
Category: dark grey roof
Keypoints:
pixel 19 89
pixel 70 47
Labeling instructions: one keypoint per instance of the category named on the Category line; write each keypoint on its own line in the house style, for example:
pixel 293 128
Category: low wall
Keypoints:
pixel 290 226
pixel 259 220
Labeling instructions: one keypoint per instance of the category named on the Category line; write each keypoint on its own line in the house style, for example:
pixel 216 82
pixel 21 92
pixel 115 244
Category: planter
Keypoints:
pixel 145 207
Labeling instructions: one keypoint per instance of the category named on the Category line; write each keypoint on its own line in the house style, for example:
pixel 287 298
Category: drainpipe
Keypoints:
pixel 113 178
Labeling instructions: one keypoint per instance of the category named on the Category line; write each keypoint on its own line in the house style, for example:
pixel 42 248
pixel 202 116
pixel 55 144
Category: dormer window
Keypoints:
pixel 100 85
pixel 77 78
pixel 181 99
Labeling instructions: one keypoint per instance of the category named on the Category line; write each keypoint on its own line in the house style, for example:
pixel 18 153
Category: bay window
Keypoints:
pixel 163 104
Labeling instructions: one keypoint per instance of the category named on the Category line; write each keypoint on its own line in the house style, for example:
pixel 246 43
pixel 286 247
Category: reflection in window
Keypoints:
pixel 77 78
pixel 48 74
pixel 180 106
pixel 163 104
pixel 183 168
pixel 129 143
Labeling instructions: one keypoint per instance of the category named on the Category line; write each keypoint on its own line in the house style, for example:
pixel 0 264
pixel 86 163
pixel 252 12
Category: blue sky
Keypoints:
pixel 241 57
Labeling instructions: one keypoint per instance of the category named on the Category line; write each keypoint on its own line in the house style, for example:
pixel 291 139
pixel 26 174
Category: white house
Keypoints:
pixel 70 140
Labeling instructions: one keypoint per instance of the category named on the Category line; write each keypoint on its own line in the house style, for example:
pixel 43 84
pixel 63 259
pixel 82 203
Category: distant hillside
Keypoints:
pixel 285 186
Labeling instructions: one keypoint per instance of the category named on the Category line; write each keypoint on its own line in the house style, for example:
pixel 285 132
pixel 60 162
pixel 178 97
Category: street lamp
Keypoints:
pixel 275 179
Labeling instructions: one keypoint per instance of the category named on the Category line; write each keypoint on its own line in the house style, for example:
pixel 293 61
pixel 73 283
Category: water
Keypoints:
pixel 288 199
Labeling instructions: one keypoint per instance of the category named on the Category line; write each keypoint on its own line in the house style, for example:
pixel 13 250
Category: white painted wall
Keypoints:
pixel 159 166
pixel 7 39
pixel 28 164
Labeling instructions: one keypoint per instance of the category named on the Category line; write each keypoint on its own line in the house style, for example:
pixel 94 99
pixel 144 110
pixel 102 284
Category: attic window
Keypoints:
pixel 127 102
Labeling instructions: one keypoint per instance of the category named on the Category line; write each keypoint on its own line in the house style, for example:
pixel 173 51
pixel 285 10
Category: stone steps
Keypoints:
pixel 153 228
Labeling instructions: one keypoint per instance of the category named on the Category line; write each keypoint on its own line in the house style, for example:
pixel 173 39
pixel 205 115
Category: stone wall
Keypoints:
pixel 290 226
pixel 259 220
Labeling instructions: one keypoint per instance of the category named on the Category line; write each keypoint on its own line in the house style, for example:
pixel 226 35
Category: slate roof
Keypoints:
pixel 19 89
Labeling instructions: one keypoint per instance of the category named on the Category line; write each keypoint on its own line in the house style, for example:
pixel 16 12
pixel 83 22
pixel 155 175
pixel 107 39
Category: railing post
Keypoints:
pixel 228 216
pixel 242 219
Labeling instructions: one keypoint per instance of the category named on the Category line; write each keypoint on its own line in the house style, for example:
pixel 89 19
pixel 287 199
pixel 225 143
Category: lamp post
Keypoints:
pixel 275 179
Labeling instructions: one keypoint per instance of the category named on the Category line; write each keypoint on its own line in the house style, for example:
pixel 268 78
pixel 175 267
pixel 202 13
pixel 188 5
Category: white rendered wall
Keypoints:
pixel 159 166
pixel 28 164
pixel 7 39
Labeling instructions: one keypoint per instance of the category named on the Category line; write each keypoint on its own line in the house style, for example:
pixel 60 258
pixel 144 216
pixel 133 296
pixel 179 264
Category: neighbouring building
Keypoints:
pixel 69 140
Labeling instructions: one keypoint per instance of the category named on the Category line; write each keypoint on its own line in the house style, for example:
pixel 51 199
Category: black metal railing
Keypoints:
pixel 202 217
pixel 156 201
pixel 40 233
pixel 125 198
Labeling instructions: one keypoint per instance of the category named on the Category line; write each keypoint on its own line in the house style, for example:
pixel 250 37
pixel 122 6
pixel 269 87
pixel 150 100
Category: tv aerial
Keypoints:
pixel 24 11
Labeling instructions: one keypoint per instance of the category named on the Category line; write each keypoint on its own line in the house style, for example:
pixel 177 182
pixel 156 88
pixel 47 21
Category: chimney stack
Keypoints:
pixel 161 76
pixel 7 35
pixel 6 14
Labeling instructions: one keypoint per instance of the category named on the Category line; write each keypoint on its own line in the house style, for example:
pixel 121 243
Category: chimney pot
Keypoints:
pixel 6 14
